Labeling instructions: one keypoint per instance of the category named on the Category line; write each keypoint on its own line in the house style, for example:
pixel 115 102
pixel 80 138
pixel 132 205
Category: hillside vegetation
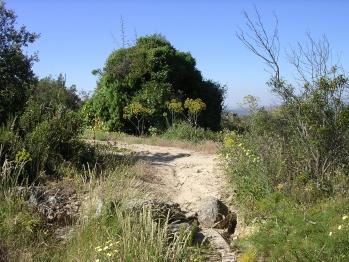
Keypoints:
pixel 69 190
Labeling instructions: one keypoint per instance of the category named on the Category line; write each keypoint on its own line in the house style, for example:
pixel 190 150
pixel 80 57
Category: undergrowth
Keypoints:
pixel 117 233
pixel 293 219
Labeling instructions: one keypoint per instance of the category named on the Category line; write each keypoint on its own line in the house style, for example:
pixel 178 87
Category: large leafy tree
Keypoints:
pixel 16 73
pixel 150 73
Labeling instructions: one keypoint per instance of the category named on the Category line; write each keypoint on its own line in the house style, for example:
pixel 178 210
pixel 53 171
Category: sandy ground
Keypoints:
pixel 182 176
pixel 185 177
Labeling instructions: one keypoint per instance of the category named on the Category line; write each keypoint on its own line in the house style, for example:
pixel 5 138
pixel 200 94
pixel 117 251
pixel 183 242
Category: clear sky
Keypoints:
pixel 78 35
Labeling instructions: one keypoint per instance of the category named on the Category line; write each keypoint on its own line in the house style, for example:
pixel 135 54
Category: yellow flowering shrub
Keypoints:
pixel 175 107
pixel 23 156
pixel 135 113
pixel 195 107
pixel 235 150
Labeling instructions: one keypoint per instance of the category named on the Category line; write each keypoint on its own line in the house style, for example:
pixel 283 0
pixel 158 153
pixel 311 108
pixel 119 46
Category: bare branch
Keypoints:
pixel 122 32
pixel 311 60
pixel 259 42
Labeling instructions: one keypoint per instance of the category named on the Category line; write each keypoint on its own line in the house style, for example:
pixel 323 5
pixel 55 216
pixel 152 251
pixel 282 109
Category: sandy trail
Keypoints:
pixel 185 176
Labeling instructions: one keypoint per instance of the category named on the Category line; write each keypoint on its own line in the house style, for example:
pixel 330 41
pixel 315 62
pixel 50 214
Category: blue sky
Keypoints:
pixel 77 36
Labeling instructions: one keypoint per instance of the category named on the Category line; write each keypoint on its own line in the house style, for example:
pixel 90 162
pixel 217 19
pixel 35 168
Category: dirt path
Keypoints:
pixel 183 176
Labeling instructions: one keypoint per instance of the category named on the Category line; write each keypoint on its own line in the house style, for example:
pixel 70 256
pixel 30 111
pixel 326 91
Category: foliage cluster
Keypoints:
pixel 290 163
pixel 185 131
pixel 39 125
pixel 15 64
pixel 291 159
pixel 47 132
pixel 195 107
pixel 150 73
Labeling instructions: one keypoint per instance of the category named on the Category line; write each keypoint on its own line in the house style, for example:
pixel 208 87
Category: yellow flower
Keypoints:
pixel 345 217
pixel 105 248
pixel 280 186
pixel 330 234
pixel 109 254
pixel 339 227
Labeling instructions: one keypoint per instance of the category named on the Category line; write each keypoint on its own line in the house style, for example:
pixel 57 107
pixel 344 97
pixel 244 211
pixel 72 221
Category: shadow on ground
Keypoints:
pixel 158 157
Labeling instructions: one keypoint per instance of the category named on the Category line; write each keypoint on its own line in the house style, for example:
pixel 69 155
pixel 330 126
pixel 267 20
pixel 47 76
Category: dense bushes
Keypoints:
pixel 47 132
pixel 291 159
pixel 150 73
pixel 185 131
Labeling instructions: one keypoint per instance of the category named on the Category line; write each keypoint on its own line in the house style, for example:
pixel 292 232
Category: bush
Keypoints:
pixel 10 143
pixel 56 140
pixel 151 72
pixel 186 131
pixel 48 131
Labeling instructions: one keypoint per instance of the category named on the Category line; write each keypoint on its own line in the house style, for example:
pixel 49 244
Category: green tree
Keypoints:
pixel 151 72
pixel 15 65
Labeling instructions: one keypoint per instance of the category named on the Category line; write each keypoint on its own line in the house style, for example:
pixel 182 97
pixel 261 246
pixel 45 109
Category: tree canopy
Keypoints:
pixel 16 73
pixel 150 73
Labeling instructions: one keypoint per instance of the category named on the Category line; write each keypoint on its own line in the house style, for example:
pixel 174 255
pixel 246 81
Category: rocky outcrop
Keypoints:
pixel 58 204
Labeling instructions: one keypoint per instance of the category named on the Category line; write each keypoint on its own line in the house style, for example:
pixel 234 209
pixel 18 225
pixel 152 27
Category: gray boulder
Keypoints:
pixel 213 213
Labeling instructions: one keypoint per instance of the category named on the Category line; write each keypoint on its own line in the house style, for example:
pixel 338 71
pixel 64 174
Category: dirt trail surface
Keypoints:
pixel 184 176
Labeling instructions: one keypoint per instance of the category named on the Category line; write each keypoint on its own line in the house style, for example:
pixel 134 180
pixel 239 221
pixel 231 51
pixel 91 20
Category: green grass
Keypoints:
pixel 296 233
pixel 125 237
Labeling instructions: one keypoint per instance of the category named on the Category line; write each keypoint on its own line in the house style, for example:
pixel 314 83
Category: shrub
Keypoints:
pixel 186 131
pixel 55 140
pixel 151 72
pixel 194 107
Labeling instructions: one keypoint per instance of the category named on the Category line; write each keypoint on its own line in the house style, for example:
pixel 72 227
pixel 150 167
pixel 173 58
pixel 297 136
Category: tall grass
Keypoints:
pixel 113 233
pixel 126 237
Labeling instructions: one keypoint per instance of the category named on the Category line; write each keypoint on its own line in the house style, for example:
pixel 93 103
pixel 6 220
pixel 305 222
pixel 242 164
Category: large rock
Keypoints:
pixel 213 213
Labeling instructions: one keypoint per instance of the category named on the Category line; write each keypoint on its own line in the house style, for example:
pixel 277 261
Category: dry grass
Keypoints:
pixel 206 146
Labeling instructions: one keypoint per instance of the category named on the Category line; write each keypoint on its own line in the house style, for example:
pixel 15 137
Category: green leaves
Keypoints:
pixel 150 73
pixel 15 65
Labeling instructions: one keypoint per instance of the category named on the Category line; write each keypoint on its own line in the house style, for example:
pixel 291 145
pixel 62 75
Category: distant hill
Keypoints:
pixel 239 111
